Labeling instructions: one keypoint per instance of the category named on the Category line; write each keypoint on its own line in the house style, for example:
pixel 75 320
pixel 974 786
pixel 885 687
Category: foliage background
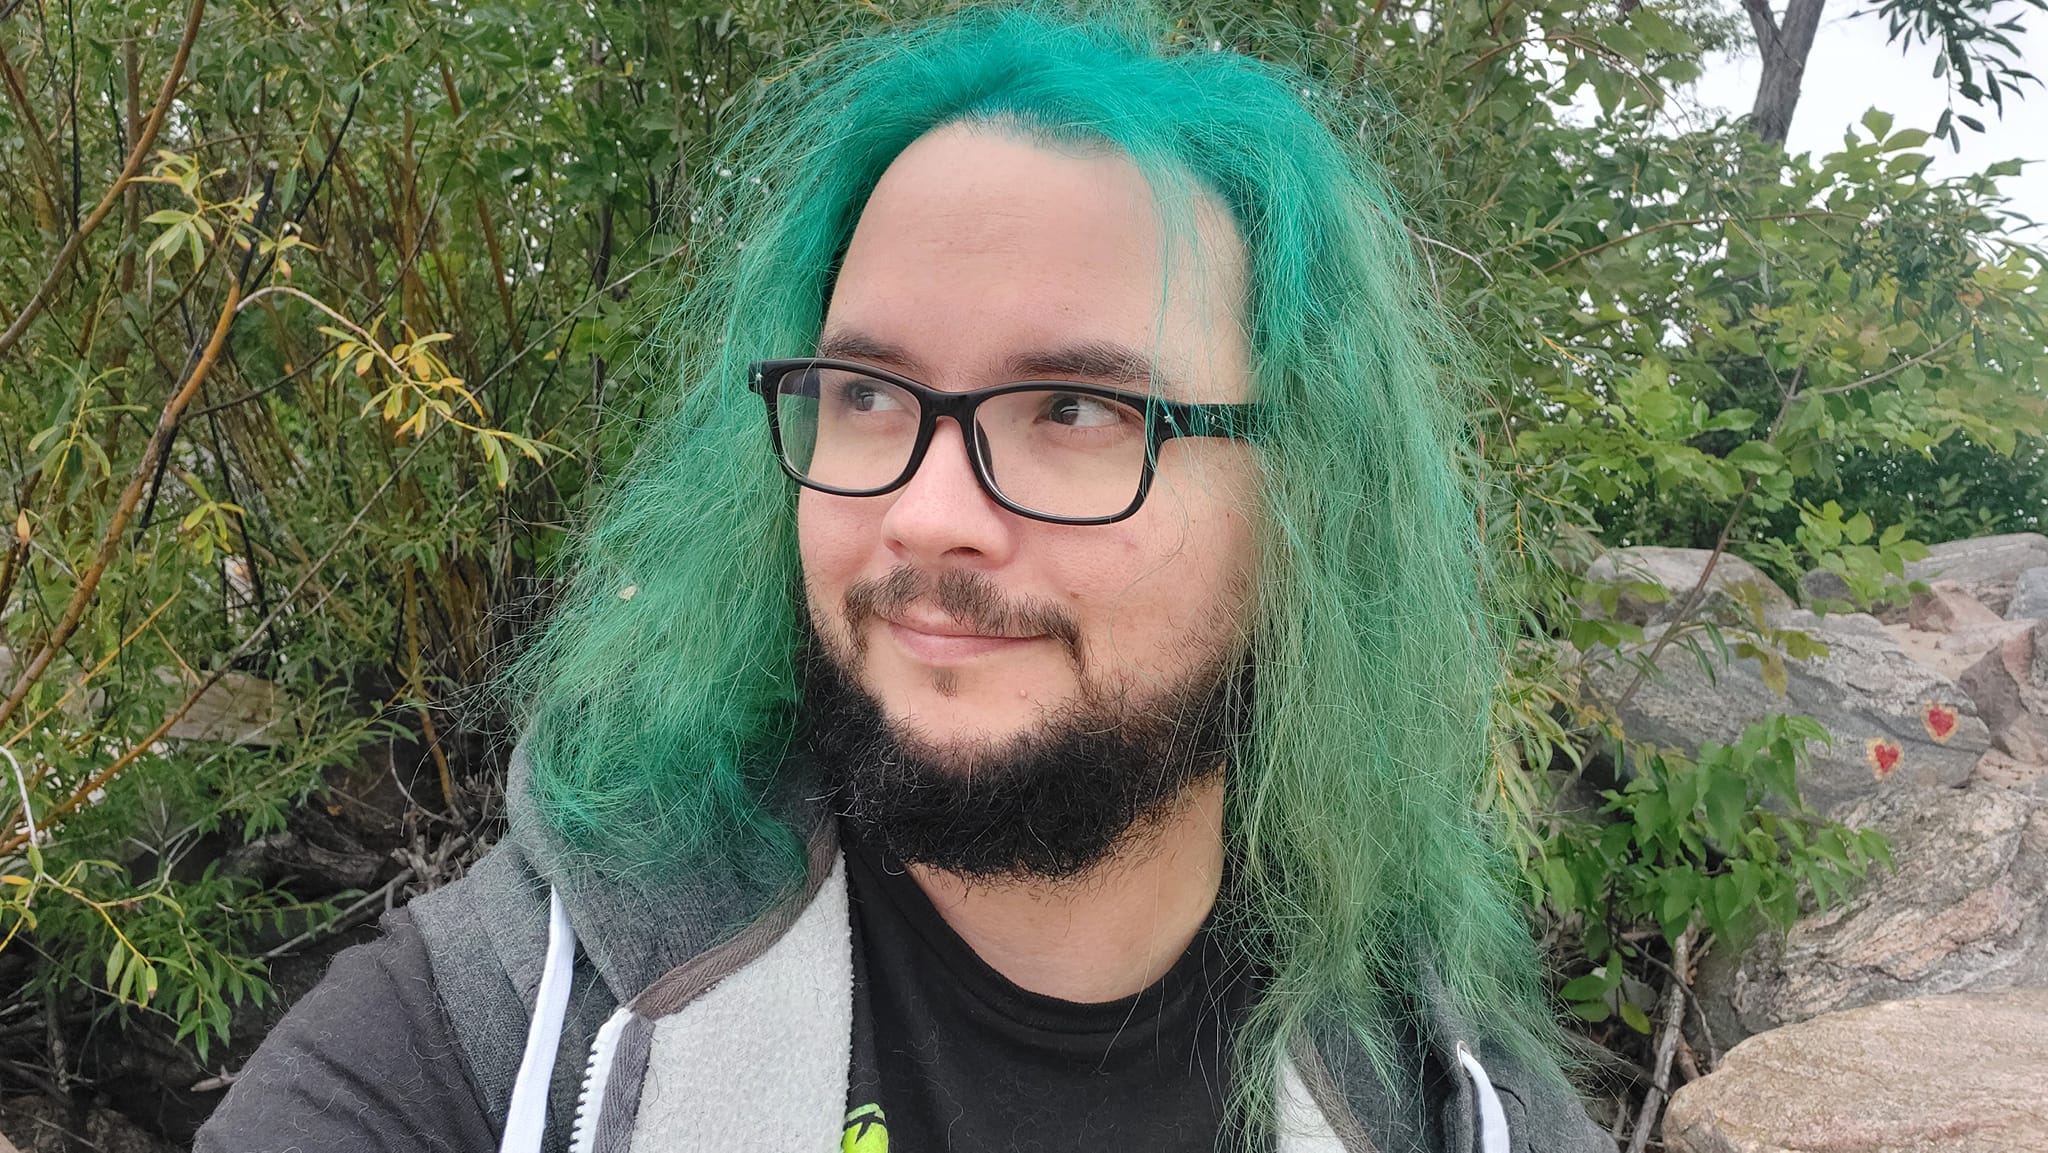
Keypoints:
pixel 323 319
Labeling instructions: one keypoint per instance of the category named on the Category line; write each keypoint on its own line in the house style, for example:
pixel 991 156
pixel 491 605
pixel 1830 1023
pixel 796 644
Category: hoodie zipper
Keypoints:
pixel 597 1074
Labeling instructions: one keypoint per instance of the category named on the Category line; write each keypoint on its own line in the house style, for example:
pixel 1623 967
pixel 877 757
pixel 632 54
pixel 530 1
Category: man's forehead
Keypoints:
pixel 988 254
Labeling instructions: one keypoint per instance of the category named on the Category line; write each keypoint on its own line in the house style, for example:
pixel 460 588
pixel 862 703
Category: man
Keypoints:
pixel 1078 754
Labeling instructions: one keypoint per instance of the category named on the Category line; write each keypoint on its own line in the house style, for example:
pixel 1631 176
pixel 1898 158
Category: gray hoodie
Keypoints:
pixel 602 1014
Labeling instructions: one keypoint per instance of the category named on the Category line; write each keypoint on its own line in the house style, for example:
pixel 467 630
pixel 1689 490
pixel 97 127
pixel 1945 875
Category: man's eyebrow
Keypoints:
pixel 1093 360
pixel 844 345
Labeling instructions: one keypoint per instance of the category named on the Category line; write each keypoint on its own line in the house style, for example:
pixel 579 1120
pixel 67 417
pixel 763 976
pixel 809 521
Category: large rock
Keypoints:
pixel 1948 630
pixel 2009 686
pixel 2029 596
pixel 1988 567
pixel 1948 607
pixel 1677 571
pixel 1898 725
pixel 1965 909
pixel 1958 1074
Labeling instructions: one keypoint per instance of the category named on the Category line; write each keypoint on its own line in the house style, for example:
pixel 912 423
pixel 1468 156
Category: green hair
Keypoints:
pixel 661 696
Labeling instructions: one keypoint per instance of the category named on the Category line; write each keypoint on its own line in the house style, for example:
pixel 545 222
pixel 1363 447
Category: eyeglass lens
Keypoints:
pixel 1051 450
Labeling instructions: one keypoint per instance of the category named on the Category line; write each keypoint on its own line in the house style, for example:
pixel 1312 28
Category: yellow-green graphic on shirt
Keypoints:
pixel 867 1131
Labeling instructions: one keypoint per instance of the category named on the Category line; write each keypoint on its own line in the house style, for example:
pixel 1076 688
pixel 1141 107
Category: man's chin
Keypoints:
pixel 954 729
pixel 1025 792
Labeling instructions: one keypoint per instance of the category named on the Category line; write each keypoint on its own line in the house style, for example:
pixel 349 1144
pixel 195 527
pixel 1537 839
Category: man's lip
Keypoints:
pixel 934 642
pixel 942 627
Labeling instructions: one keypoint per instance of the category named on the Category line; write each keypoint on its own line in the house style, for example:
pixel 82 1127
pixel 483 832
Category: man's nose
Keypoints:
pixel 942 512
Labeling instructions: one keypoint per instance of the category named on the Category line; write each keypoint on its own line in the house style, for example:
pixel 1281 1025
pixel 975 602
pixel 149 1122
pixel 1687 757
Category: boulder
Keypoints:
pixel 1897 725
pixel 1955 1074
pixel 1966 908
pixel 1677 571
pixel 2029 596
pixel 1948 607
pixel 2009 686
pixel 1988 567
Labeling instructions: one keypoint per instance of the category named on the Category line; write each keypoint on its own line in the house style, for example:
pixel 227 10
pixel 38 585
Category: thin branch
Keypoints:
pixel 1434 243
pixel 129 171
pixel 1888 373
pixel 1682 222
pixel 131 496
pixel 1672 1015
pixel 1686 607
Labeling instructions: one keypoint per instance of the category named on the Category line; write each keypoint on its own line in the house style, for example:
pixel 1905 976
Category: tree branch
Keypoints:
pixel 1672 1015
pixel 131 496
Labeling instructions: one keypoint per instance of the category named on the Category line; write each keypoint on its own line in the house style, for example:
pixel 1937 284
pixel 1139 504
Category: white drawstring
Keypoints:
pixel 1493 1120
pixel 527 1120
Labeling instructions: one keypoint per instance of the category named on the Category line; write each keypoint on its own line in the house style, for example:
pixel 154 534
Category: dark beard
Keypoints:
pixel 1048 804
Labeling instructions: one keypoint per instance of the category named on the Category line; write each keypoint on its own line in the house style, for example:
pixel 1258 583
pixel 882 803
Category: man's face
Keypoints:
pixel 984 258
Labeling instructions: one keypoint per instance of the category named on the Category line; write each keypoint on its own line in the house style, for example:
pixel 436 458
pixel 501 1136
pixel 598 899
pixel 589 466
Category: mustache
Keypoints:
pixel 968 597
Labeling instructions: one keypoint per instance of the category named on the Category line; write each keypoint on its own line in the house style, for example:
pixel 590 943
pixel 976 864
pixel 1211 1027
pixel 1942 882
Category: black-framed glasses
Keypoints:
pixel 1057 451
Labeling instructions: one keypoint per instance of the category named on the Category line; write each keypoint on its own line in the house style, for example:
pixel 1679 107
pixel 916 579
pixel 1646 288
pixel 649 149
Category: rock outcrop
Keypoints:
pixel 1955 1074
pixel 1898 724
pixel 1965 908
pixel 1913 1015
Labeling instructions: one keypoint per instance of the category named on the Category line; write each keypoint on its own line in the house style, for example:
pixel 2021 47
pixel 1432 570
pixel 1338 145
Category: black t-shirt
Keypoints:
pixel 950 1055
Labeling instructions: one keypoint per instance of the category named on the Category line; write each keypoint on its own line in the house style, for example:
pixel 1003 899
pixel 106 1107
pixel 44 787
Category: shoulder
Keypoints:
pixel 367 1060
pixel 1544 1112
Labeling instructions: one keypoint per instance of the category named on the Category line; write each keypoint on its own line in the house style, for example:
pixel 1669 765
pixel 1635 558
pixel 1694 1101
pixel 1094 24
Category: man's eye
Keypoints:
pixel 868 396
pixel 1079 410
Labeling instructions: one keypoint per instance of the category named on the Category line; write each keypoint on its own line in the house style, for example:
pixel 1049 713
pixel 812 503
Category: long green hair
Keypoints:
pixel 660 699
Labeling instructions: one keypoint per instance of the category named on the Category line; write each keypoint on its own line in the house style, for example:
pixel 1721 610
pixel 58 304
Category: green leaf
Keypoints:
pixel 1589 987
pixel 1593 1012
pixel 1757 456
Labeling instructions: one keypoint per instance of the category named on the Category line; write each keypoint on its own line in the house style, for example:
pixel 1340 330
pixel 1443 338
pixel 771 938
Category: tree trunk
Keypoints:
pixel 1783 46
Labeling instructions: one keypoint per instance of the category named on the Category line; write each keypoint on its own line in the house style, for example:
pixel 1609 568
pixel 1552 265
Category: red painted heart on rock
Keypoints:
pixel 1940 721
pixel 1884 754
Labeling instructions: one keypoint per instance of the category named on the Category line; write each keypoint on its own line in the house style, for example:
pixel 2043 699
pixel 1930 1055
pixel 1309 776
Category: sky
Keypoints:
pixel 1852 69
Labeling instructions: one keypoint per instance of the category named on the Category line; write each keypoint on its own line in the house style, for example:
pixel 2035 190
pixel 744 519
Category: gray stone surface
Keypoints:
pixel 1965 909
pixel 1677 570
pixel 1989 566
pixel 2029 596
pixel 1898 725
pixel 1957 1074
